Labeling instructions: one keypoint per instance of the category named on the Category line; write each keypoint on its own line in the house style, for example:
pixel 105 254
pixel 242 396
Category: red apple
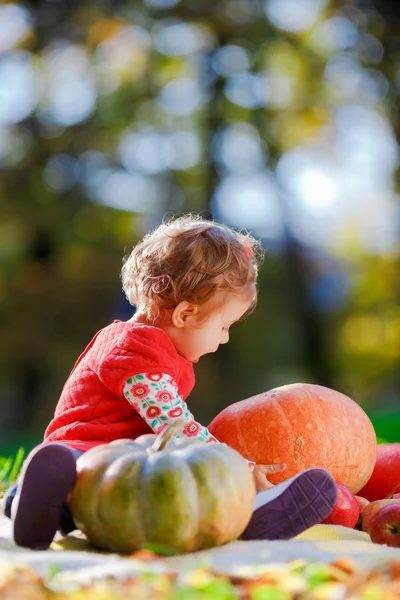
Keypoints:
pixel 385 526
pixel 346 510
pixel 362 503
pixel 385 478
pixel 371 509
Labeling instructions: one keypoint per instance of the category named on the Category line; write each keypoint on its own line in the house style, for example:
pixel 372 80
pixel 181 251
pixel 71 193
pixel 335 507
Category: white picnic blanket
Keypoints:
pixel 74 556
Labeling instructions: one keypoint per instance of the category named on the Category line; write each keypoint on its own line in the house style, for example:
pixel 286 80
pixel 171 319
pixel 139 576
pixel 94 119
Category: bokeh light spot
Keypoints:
pixel 92 164
pixel 181 97
pixel 61 173
pixel 238 148
pixel 15 24
pixel 182 39
pixel 147 151
pixel 15 143
pixel 334 35
pixel 294 15
pixel 161 4
pixel 248 90
pixel 131 192
pixel 251 202
pixel 316 189
pixel 71 95
pixel 18 87
pixel 186 150
pixel 229 60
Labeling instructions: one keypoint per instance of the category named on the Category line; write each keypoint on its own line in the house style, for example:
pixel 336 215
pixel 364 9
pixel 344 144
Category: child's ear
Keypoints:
pixel 184 313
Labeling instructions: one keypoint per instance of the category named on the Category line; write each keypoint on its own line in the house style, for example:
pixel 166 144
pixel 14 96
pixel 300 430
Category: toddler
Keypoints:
pixel 190 280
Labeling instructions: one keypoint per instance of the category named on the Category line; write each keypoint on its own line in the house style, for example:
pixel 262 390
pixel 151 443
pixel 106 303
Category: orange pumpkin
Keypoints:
pixel 302 425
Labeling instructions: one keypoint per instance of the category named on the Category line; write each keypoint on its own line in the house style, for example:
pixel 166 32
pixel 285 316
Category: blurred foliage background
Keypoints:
pixel 279 116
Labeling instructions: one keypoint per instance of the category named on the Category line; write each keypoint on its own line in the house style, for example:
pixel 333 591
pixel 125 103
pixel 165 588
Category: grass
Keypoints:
pixel 10 467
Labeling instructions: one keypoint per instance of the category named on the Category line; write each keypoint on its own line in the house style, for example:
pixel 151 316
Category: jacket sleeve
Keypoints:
pixel 155 396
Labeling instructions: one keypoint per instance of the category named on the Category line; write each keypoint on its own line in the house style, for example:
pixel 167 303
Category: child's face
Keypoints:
pixel 203 337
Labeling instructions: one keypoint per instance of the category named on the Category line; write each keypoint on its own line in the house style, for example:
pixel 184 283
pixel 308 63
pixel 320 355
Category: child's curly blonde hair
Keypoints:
pixel 189 259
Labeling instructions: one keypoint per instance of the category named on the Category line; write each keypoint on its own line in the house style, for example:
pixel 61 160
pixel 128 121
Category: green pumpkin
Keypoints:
pixel 184 494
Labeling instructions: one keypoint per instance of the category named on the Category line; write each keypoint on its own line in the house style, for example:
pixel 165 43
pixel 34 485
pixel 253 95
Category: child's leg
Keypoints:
pixel 66 522
pixel 47 477
pixel 287 509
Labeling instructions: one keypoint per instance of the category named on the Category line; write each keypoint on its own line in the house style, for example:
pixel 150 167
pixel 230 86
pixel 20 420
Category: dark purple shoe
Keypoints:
pixel 287 509
pixel 47 477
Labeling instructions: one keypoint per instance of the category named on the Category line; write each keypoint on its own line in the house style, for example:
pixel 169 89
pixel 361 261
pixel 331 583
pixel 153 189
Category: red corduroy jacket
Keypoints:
pixel 92 409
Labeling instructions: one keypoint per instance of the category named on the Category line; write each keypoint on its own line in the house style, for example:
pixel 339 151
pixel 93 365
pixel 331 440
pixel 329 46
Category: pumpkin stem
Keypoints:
pixel 165 436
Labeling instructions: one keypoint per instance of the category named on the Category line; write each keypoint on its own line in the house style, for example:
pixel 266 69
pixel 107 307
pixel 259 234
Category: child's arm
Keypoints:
pixel 156 398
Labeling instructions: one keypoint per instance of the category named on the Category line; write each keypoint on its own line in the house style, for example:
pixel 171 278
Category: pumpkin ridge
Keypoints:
pixel 118 494
pixel 174 493
pixel 206 501
pixel 90 469
pixel 238 497
pixel 241 437
pixel 217 488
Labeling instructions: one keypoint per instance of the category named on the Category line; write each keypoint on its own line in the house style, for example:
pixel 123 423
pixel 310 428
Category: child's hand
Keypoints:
pixel 261 472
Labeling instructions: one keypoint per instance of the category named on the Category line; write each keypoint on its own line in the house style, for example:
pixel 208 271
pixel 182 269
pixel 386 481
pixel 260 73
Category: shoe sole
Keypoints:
pixel 293 506
pixel 45 482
